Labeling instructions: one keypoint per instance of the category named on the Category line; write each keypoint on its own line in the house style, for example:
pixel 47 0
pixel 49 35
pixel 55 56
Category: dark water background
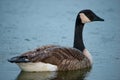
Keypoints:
pixel 28 24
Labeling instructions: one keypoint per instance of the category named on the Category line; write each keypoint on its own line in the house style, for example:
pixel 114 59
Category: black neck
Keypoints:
pixel 78 39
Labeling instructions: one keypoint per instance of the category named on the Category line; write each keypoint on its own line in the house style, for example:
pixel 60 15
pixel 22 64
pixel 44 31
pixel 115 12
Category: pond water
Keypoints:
pixel 28 24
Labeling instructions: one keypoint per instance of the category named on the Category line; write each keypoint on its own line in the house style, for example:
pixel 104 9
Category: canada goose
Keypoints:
pixel 58 58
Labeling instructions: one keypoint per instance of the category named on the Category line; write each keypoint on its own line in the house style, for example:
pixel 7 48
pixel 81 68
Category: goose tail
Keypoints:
pixel 19 59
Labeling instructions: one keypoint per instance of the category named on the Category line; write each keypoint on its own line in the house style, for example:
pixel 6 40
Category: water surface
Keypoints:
pixel 28 24
pixel 63 75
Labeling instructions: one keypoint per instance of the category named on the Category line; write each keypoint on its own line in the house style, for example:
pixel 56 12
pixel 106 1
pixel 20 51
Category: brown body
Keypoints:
pixel 64 58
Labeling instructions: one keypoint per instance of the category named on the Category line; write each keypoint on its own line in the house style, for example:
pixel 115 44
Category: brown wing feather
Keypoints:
pixel 38 54
pixel 64 58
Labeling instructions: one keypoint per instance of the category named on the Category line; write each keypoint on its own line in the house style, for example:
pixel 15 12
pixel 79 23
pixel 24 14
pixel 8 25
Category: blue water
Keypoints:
pixel 28 24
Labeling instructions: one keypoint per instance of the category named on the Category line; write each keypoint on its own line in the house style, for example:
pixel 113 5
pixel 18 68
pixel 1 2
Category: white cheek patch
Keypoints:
pixel 84 18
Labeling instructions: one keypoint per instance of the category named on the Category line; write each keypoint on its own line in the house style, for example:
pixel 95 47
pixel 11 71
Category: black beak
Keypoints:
pixel 98 19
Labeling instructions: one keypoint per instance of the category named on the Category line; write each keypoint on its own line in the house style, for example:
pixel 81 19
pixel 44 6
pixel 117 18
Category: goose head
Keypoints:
pixel 88 16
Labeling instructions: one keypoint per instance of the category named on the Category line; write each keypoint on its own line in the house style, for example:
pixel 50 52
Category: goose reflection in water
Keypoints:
pixel 61 75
